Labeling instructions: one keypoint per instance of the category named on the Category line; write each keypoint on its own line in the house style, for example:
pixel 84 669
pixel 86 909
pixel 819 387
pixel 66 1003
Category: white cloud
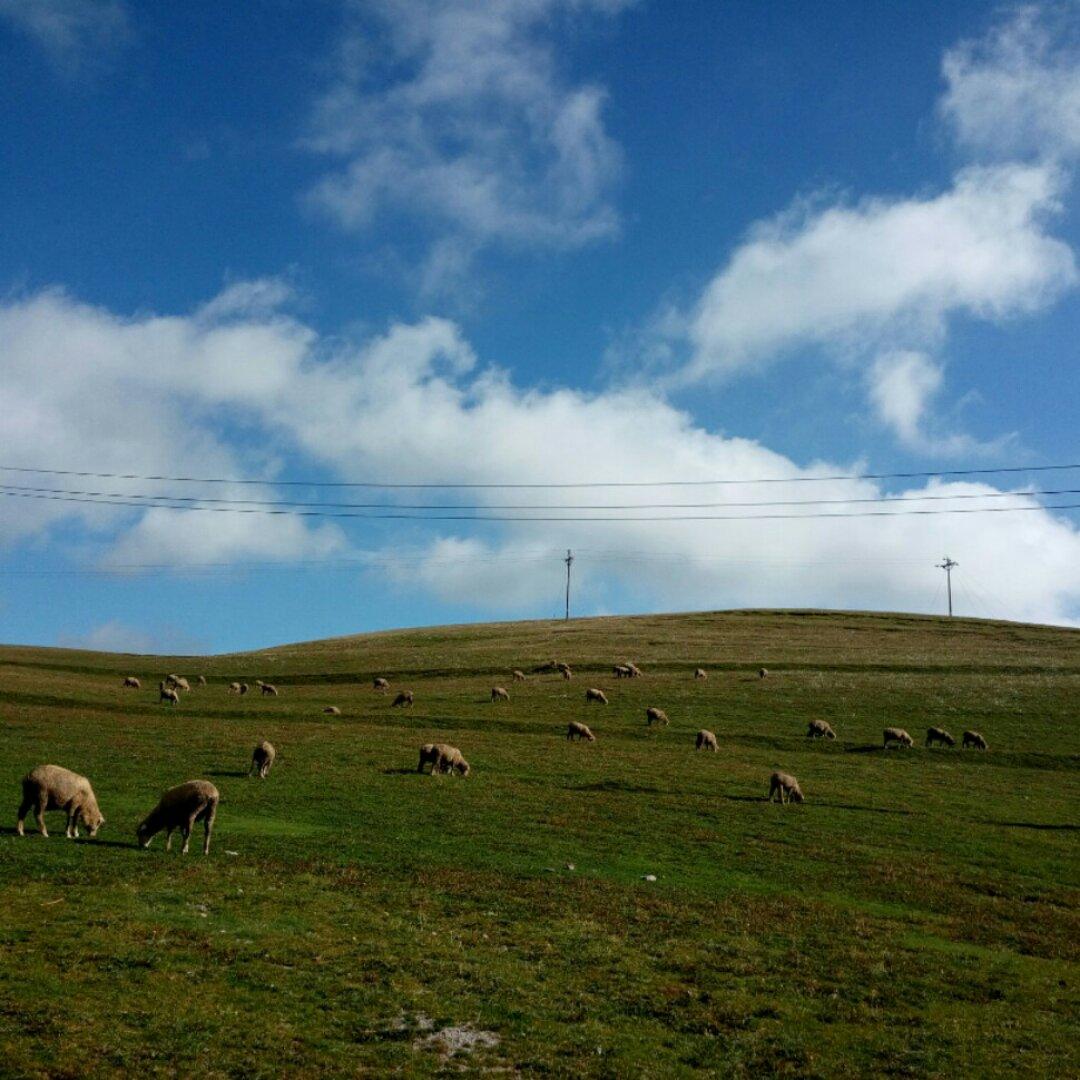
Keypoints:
pixel 456 113
pixel 902 385
pixel 884 272
pixel 75 34
pixel 117 636
pixel 1016 91
pixel 83 386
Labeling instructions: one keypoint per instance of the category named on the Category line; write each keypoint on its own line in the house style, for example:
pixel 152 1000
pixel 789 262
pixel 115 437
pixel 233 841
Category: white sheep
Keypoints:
pixel 167 693
pixel 575 730
pixel 763 673
pixel 442 758
pixel 332 710
pixel 939 735
pixel 234 688
pixel 500 693
pixel 132 682
pixel 820 729
pixel 262 758
pixel 785 788
pixel 268 690
pixel 380 684
pixel 178 682
pixel 518 675
pixel 973 738
pixel 701 673
pixel 404 698
pixel 593 694
pixel 654 715
pixel 898 736
pixel 565 669
pixel 621 671
pixel 201 680
pixel 180 808
pixel 635 671
pixel 243 688
pixel 52 787
pixel 706 740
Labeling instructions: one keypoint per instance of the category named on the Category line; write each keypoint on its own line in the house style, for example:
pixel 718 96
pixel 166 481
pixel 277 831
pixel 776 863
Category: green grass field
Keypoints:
pixel 916 916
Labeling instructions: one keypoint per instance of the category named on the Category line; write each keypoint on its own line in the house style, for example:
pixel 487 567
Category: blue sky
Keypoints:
pixel 524 242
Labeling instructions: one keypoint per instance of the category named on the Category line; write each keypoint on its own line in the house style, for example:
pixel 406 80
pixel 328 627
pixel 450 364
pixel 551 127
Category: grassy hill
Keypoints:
pixel 917 915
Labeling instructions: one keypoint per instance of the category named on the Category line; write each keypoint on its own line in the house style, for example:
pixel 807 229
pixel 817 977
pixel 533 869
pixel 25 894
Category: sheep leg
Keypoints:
pixel 208 824
pixel 24 808
pixel 72 823
pixel 168 838
pixel 39 814
pixel 185 831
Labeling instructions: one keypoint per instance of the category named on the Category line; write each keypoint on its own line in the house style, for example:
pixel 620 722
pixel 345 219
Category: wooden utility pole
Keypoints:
pixel 947 566
pixel 568 560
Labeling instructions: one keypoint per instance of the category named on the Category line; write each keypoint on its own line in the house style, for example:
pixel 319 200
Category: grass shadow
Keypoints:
pixel 400 772
pixel 224 772
pixel 866 809
pixel 872 748
pixel 1031 825
pixel 614 785
pixel 745 798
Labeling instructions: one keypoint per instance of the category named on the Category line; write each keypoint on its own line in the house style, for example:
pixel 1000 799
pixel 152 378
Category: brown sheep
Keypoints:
pixel 51 787
pixel 706 740
pixel 167 693
pixel 635 671
pixel 380 684
pixel 519 676
pixel 132 682
pixel 499 693
pixel 574 730
pixel 973 738
pixel 939 735
pixel 621 671
pixel 404 698
pixel 820 729
pixel 332 710
pixel 268 690
pixel 785 787
pixel 442 758
pixel 701 673
pixel 592 694
pixel 180 808
pixel 654 715
pixel 262 758
pixel 897 735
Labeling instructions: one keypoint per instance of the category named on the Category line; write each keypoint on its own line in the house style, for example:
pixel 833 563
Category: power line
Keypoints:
pixel 549 485
pixel 397 516
pixel 152 500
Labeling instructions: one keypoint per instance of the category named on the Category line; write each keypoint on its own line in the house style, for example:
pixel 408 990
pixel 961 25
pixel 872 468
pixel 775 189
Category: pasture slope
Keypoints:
pixel 917 916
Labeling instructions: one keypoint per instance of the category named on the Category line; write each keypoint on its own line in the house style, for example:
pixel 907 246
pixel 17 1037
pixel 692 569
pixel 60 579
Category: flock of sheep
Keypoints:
pixel 51 787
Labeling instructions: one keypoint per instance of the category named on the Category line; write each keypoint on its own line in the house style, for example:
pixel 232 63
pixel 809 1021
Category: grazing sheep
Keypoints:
pixel 565 669
pixel 51 787
pixel 179 808
pixel 167 693
pixel 442 758
pixel 172 680
pixel 592 694
pixel 635 671
pixel 243 688
pixel 178 682
pixel 973 738
pixel 332 710
pixel 234 688
pixel 201 680
pixel 380 684
pixel 132 682
pixel 939 735
pixel 499 693
pixel 701 673
pixel 654 715
pixel 897 735
pixel 574 730
pixel 820 729
pixel 268 690
pixel 706 740
pixel 262 758
pixel 404 698
pixel 621 671
pixel 519 676
pixel 785 786
pixel 762 673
